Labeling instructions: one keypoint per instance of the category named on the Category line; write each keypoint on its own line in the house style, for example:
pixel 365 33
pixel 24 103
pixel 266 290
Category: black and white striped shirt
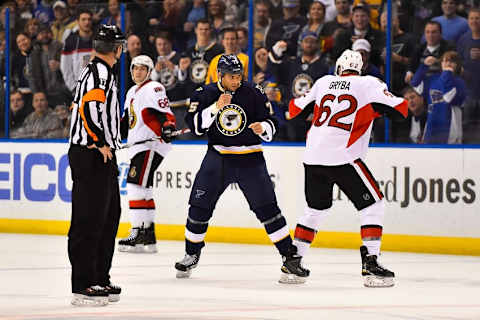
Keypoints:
pixel 96 109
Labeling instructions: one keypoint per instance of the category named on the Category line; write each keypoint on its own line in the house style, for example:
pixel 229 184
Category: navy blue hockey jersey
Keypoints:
pixel 227 131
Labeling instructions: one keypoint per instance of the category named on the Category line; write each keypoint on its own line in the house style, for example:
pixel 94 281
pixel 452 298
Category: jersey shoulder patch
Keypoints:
pixel 260 88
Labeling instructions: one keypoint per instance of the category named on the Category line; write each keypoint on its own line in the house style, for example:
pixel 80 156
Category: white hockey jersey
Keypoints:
pixel 343 116
pixel 142 125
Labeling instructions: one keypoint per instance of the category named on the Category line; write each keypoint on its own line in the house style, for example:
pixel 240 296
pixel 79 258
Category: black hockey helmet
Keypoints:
pixel 107 38
pixel 229 63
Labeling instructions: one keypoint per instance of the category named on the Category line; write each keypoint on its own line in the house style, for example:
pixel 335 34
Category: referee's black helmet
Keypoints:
pixel 229 63
pixel 108 38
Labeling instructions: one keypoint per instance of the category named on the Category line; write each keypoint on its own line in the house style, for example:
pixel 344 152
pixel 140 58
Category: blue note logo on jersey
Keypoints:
pixel 231 120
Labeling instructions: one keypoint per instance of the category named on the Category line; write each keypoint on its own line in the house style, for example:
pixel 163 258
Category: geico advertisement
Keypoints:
pixel 427 191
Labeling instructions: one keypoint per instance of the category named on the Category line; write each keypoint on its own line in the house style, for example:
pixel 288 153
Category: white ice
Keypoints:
pixel 235 282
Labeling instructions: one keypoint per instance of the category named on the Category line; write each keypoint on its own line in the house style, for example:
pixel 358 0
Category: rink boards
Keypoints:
pixel 431 196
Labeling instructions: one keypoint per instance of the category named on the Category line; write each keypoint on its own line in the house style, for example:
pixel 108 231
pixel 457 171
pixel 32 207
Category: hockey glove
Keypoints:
pixel 167 133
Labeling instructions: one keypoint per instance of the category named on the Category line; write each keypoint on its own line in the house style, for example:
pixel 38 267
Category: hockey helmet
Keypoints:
pixel 142 60
pixel 229 63
pixel 107 38
pixel 349 60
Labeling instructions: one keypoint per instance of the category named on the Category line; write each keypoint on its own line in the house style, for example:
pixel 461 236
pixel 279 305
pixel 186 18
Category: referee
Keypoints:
pixel 94 136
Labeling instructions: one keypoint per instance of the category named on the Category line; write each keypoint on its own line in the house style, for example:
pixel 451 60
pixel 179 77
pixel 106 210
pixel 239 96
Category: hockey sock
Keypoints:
pixel 196 229
pixel 278 233
pixel 371 229
pixel 139 207
pixel 307 227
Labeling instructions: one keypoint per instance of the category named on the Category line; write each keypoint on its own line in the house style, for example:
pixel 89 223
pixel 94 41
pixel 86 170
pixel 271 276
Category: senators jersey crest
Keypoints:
pixel 132 116
pixel 231 120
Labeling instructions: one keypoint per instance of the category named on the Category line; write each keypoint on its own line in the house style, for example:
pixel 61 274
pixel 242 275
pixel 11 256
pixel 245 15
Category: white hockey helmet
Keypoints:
pixel 349 60
pixel 142 60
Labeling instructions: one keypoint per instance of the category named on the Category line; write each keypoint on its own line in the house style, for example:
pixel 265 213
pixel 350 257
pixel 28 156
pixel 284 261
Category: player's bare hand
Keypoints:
pixel 223 100
pixel 430 60
pixel 257 128
pixel 106 152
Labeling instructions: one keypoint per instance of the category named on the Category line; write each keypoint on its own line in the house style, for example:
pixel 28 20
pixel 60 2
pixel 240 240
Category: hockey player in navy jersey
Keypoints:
pixel 236 117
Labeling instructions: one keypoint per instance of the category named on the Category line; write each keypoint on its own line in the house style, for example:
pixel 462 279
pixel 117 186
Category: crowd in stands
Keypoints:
pixel 435 56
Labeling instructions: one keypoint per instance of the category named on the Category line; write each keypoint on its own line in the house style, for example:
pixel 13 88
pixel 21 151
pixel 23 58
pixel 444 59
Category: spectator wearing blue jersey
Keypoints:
pixel 445 93
pixel 469 50
pixel 453 26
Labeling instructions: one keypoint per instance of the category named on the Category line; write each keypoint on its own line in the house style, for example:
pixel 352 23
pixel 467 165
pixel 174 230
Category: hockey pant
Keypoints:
pixel 139 188
pixel 215 175
pixel 357 182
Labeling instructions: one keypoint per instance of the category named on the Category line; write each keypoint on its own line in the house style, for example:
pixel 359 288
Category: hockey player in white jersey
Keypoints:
pixel 148 112
pixel 345 106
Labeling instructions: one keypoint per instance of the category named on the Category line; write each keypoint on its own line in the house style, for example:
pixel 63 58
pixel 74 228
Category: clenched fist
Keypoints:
pixel 257 128
pixel 223 100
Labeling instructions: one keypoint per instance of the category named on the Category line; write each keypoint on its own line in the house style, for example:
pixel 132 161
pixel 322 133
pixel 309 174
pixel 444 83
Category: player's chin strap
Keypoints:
pixel 173 134
pixel 222 89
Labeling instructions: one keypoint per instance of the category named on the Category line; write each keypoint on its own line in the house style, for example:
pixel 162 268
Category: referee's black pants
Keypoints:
pixel 95 217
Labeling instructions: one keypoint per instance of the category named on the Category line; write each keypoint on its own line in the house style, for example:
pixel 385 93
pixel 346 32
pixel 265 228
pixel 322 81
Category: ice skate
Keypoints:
pixel 149 239
pixel 113 292
pixel 184 267
pixel 94 296
pixel 136 242
pixel 292 270
pixel 375 275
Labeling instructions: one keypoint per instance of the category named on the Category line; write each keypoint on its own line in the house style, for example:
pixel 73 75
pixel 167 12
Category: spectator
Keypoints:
pixel 77 49
pixel 21 76
pixel 166 69
pixel 142 15
pixel 469 50
pixel 260 69
pixel 297 77
pixel 274 96
pixel 374 7
pixel 16 26
pixel 232 11
pixel 316 22
pixel 412 129
pixel 424 11
pixel 216 14
pixel 18 110
pixel 199 56
pixel 242 36
pixel 230 43
pixel 62 20
pixel 171 22
pixel 65 116
pixel 330 9
pixel 42 123
pixel 361 29
pixel 262 23
pixel 287 29
pixel 434 47
pixel 42 11
pixel 445 93
pixel 114 17
pixel 342 21
pixel 31 28
pixel 196 13
pixel 453 26
pixel 276 9
pixel 45 68
pixel 23 12
pixel 403 47
pixel 134 48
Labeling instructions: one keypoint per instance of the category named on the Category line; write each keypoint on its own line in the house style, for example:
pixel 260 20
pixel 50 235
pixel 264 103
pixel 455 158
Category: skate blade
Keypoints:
pixel 183 274
pixel 139 248
pixel 378 282
pixel 290 278
pixel 80 300
pixel 113 297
